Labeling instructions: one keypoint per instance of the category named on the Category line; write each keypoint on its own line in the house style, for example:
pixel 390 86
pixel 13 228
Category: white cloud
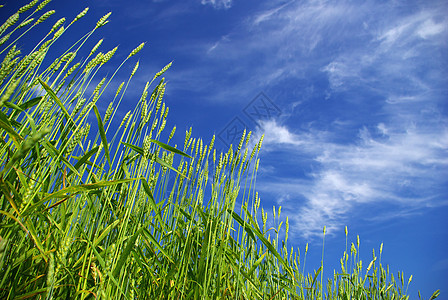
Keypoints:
pixel 349 41
pixel 396 51
pixel 395 164
pixel 218 3
pixel 275 134
pixel 406 169
pixel 429 29
pixel 268 14
pixel 223 39
pixel 339 73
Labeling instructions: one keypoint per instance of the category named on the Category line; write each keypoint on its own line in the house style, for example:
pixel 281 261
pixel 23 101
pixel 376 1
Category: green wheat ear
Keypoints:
pixel 27 6
pixel 103 21
pixel 42 5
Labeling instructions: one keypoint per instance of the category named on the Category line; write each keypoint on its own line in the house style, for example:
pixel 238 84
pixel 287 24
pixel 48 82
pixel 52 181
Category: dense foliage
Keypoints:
pixel 87 209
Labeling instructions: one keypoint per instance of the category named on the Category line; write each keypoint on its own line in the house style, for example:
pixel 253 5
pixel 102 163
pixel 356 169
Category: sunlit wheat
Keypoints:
pixel 93 205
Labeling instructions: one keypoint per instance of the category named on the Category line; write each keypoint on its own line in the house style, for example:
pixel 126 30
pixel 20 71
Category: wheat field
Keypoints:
pixel 86 211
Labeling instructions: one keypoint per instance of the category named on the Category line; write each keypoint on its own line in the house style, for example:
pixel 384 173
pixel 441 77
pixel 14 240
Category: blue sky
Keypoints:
pixel 351 96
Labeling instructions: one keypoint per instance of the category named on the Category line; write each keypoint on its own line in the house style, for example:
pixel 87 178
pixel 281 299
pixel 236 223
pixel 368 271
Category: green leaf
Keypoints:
pixel 86 187
pixel 164 164
pixel 30 103
pixel 102 262
pixel 139 150
pixel 152 202
pixel 26 146
pixel 56 99
pixel 149 236
pixel 105 232
pixel 6 125
pixel 83 159
pixel 32 294
pixel 255 230
pixel 315 275
pixel 246 226
pixel 12 105
pixel 169 148
pixel 34 235
pixel 75 189
pixel 251 280
pixel 256 263
pixel 102 133
pixel 124 255
pixel 54 152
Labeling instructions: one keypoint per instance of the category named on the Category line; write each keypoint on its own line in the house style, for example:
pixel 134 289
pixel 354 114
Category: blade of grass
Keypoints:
pixel 105 232
pixel 56 99
pixel 54 152
pixel 102 133
pixel 127 250
pixel 83 159
pixel 139 150
pixel 169 148
pixel 75 190
pixel 102 262
pixel 255 230
pixel 152 202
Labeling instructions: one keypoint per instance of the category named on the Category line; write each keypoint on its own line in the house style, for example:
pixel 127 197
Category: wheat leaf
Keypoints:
pixel 102 133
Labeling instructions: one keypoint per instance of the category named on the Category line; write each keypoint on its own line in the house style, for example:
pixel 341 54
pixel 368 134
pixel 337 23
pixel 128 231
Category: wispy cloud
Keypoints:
pixel 397 52
pixel 430 28
pixel 218 3
pixel 278 135
pixel 268 14
pixel 406 169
